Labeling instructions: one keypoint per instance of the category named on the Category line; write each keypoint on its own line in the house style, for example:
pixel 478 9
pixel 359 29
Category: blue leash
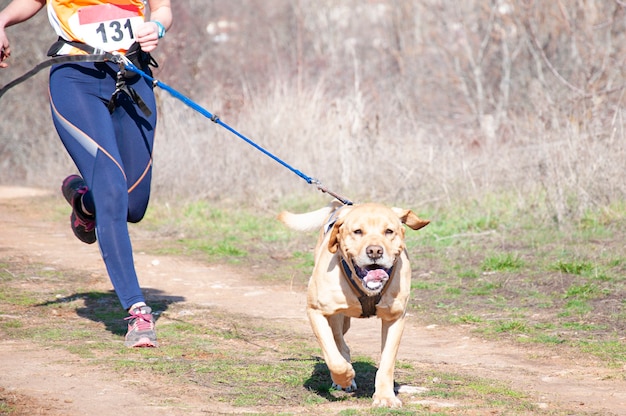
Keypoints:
pixel 214 118
pixel 125 63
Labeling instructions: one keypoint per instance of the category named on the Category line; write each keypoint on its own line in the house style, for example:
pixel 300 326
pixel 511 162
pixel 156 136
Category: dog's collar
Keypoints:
pixel 368 302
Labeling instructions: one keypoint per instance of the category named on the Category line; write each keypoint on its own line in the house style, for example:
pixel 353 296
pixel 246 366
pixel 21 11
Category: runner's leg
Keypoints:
pixel 135 137
pixel 89 137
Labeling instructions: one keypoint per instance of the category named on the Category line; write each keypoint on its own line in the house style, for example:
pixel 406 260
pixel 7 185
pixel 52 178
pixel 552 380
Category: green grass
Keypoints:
pixel 514 326
pixel 241 361
pixel 516 276
pixel 502 262
pixel 483 266
pixel 573 267
pixel 612 351
pixel 5 408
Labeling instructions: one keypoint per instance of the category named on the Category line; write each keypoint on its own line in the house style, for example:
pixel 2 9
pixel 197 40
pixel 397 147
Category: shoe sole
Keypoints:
pixel 142 343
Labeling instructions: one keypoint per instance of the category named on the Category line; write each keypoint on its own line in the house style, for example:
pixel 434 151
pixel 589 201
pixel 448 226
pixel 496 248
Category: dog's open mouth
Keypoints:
pixel 373 276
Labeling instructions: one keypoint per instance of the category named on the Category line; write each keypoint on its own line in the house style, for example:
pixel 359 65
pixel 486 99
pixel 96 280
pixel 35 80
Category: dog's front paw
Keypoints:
pixel 383 400
pixel 351 388
pixel 343 376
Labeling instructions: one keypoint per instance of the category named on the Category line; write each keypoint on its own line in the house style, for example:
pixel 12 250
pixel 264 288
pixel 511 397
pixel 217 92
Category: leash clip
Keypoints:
pixel 119 58
pixel 325 190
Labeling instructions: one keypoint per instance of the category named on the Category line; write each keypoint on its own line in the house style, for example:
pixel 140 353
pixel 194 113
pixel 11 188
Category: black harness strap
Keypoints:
pixel 122 74
pixel 121 87
pixel 92 55
pixel 50 62
pixel 368 303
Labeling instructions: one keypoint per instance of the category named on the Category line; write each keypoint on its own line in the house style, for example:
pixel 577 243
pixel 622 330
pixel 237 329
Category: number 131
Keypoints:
pixel 116 31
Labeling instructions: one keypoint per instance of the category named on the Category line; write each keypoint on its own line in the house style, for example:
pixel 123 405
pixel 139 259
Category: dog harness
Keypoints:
pixel 368 302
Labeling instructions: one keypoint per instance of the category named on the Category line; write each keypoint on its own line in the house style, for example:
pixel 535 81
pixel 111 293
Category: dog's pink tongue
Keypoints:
pixel 377 275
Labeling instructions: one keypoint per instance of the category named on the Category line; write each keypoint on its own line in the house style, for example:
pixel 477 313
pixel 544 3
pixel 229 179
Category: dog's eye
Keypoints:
pixel 388 231
pixel 358 231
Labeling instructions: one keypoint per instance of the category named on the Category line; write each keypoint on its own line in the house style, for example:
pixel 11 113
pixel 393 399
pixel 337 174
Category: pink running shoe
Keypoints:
pixel 141 331
pixel 83 225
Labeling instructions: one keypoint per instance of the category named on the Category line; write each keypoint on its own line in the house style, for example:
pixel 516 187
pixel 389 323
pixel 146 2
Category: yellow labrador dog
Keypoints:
pixel 361 270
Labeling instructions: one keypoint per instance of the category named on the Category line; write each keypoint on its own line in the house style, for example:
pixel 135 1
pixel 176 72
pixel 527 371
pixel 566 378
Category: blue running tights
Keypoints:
pixel 113 152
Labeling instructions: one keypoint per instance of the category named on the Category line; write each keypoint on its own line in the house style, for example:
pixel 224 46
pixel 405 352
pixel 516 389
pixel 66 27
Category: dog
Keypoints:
pixel 361 269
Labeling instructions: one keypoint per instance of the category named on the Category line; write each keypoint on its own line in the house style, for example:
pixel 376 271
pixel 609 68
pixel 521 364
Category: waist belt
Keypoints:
pixel 50 62
pixel 63 51
pixel 134 54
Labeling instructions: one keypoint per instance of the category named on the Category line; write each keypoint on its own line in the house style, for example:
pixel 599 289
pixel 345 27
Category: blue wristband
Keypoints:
pixel 161 28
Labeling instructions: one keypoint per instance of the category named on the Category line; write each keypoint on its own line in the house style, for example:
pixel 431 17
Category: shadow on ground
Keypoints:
pixel 321 383
pixel 105 307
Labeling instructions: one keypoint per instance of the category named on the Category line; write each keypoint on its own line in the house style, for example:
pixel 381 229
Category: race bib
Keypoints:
pixel 106 26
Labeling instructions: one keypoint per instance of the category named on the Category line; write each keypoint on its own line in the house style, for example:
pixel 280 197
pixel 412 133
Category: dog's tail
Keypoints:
pixel 309 221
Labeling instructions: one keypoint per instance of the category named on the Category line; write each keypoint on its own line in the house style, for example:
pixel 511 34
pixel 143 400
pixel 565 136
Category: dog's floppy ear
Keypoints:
pixel 333 242
pixel 409 218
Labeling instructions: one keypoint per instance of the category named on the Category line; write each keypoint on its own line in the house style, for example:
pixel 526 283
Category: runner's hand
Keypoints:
pixel 5 49
pixel 148 36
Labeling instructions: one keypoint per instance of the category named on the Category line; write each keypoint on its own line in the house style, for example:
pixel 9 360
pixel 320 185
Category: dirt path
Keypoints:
pixel 551 380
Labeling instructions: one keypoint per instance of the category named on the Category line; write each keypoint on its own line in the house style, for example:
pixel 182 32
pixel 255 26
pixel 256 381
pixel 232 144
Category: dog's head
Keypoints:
pixel 370 237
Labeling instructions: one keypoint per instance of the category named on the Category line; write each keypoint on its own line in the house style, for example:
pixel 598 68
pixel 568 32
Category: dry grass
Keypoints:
pixel 420 104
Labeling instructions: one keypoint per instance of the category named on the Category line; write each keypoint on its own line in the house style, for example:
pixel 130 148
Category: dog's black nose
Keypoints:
pixel 374 252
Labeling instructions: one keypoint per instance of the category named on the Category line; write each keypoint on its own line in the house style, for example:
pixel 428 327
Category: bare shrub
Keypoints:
pixel 30 151
pixel 408 102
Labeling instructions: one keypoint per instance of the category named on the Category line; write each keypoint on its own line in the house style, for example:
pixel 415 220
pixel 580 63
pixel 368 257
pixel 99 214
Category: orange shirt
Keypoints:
pixel 108 25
